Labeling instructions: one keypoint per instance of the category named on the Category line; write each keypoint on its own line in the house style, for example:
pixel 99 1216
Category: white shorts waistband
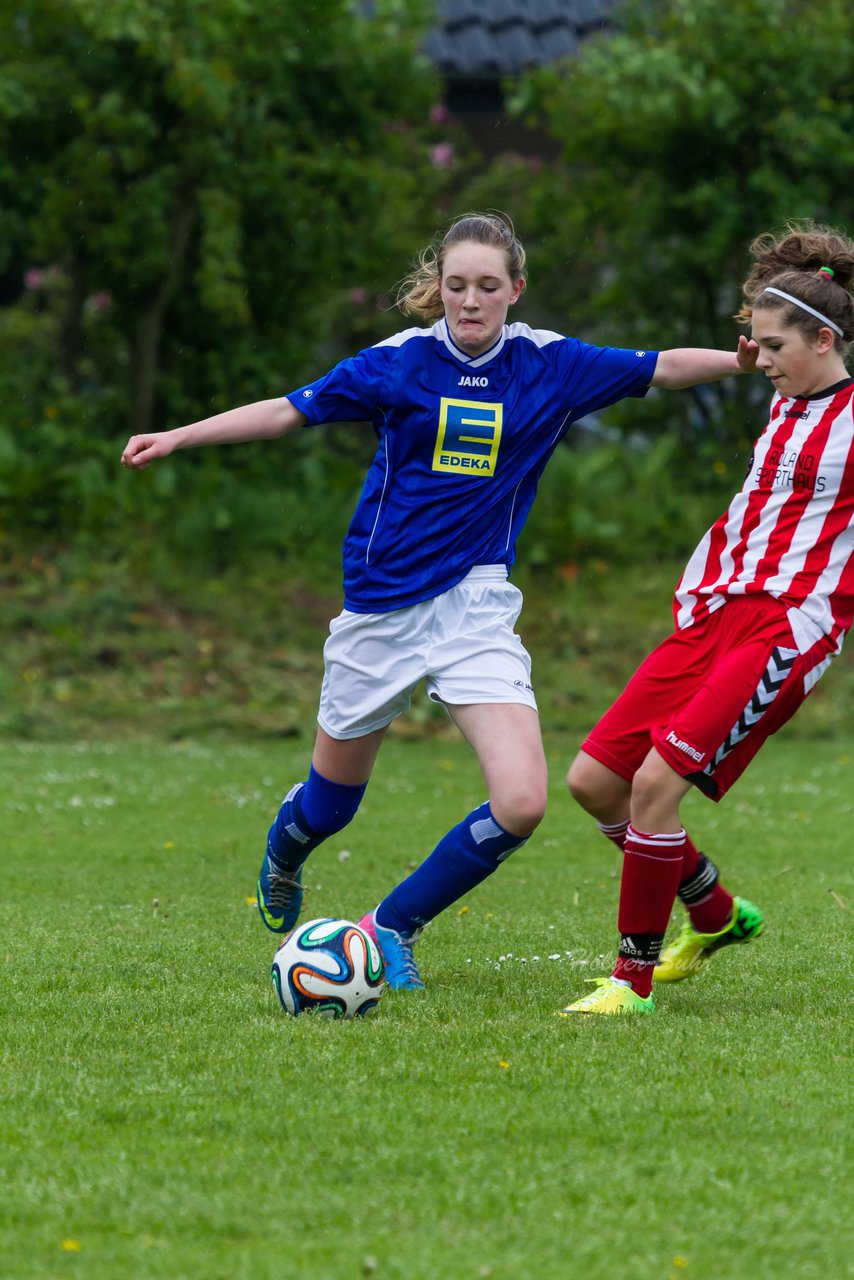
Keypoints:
pixel 486 573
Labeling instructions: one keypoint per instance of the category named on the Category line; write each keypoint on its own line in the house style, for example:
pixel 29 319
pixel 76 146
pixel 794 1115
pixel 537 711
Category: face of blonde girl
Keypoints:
pixel 477 292
pixel 795 364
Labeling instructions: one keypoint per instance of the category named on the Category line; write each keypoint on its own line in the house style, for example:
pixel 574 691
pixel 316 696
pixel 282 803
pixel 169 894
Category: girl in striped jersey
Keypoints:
pixel 761 609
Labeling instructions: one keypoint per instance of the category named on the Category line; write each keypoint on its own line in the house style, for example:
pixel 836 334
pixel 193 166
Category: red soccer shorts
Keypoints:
pixel 708 697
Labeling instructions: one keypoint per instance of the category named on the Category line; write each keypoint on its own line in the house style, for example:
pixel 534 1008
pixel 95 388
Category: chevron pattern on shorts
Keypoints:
pixel 772 681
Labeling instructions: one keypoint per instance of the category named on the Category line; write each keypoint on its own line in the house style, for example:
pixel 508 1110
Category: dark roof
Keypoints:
pixel 489 39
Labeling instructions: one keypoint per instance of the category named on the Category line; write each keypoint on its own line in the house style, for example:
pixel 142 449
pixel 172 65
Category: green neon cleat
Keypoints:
pixel 610 997
pixel 279 895
pixel 687 955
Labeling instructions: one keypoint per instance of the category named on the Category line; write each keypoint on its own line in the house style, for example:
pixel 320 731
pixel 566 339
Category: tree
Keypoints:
pixel 199 205
pixel 210 174
pixel 693 128
pixel 682 132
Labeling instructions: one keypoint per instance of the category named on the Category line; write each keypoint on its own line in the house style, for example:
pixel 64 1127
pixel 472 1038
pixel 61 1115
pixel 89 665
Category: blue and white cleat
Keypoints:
pixel 279 895
pixel 401 971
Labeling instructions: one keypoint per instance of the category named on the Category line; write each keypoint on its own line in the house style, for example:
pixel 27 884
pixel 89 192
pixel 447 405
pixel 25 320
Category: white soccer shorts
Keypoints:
pixel 462 644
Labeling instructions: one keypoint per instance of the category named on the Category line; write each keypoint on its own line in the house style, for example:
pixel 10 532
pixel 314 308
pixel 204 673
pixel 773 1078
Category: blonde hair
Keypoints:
pixel 418 294
pixel 793 262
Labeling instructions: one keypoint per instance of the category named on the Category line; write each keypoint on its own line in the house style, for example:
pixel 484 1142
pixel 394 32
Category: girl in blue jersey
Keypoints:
pixel 467 413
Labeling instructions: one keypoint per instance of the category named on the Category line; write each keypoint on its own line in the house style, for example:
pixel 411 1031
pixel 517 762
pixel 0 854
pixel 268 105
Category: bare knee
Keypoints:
pixel 521 810
pixel 657 791
pixel 581 780
pixel 646 787
pixel 598 790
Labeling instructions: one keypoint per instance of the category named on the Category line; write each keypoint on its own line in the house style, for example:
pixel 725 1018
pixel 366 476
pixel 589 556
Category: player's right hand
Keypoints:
pixel 140 450
pixel 747 353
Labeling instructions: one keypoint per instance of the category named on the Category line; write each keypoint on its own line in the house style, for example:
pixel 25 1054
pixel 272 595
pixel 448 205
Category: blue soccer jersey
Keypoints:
pixel 463 441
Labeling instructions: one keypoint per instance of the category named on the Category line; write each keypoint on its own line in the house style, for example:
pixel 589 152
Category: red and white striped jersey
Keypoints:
pixel 789 531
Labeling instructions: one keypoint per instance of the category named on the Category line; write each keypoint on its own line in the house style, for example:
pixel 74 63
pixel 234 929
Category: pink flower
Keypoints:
pixel 440 114
pixel 442 155
pixel 100 302
pixel 34 278
pixel 358 297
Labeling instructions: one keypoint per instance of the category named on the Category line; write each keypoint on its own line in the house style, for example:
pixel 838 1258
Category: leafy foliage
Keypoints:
pixel 202 202
pixel 199 206
pixel 691 130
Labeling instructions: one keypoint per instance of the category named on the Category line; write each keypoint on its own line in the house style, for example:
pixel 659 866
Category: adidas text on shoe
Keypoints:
pixel 401 971
pixel 610 996
pixel 687 955
pixel 279 895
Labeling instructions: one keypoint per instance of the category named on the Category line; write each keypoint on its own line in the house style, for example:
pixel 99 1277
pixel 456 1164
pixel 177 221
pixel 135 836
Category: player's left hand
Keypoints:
pixel 747 354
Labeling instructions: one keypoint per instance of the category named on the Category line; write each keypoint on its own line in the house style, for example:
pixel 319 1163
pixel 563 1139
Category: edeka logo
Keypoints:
pixel 468 437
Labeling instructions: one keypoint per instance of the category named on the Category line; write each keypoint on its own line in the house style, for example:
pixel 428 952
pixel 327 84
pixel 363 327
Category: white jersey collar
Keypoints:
pixel 474 362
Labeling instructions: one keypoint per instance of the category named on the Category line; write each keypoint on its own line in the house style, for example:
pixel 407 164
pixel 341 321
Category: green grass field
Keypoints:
pixel 161 1117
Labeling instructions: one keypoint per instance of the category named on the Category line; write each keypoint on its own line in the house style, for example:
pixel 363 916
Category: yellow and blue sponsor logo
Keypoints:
pixel 468 437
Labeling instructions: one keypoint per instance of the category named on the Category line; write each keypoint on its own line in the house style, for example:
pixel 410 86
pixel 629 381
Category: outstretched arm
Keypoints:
pixel 686 366
pixel 264 420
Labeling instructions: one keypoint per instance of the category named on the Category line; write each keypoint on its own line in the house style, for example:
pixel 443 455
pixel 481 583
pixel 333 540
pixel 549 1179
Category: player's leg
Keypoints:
pixel 715 918
pixel 653 856
pixel 479 670
pixel 602 793
pixel 507 741
pixel 757 684
pixel 656 852
pixel 775 680
pixel 751 687
pixel 606 796
pixel 653 852
pixel 601 776
pixel 659 858
pixel 371 664
pixel 312 811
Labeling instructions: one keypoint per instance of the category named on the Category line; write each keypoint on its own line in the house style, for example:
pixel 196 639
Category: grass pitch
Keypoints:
pixel 161 1117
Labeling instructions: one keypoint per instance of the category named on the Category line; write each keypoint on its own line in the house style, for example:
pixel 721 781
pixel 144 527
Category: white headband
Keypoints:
pixel 803 306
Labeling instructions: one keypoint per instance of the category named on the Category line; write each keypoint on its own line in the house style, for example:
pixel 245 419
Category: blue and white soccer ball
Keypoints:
pixel 330 966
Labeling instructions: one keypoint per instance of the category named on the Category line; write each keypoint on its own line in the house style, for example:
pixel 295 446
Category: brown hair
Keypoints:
pixel 792 262
pixel 418 294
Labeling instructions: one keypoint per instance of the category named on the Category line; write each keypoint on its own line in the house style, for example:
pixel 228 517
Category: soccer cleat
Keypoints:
pixel 687 955
pixel 401 971
pixel 279 896
pixel 610 996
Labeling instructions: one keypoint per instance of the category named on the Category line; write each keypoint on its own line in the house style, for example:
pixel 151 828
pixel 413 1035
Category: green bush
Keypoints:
pixel 620 502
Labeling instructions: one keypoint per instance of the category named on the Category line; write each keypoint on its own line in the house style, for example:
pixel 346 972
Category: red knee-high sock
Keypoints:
pixel 708 903
pixel 615 831
pixel 652 869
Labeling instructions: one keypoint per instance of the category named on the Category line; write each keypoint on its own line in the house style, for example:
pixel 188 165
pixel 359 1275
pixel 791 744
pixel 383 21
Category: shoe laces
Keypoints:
pixel 601 992
pixel 397 952
pixel 405 963
pixel 281 888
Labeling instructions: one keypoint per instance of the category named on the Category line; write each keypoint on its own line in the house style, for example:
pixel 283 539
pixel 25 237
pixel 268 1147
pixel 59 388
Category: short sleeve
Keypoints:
pixel 351 392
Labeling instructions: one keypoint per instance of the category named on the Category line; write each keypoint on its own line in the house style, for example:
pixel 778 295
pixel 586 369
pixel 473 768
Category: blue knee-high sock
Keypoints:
pixel 469 853
pixel 311 811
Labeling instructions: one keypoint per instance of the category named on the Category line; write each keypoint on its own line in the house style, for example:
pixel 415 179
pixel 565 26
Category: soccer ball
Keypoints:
pixel 331 967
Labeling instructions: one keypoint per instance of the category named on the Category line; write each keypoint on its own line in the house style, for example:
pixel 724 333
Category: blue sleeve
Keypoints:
pixel 600 376
pixel 351 392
